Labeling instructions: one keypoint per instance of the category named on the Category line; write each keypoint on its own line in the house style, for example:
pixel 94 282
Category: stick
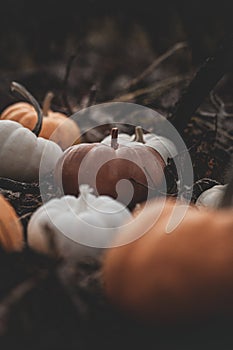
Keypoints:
pixel 155 64
pixel 203 82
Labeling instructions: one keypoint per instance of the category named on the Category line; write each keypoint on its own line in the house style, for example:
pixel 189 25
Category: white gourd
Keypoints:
pixel 211 197
pixel 77 226
pixel 21 153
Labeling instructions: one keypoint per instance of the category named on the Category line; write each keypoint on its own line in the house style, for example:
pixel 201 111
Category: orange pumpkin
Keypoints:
pixel 11 231
pixel 55 126
pixel 177 277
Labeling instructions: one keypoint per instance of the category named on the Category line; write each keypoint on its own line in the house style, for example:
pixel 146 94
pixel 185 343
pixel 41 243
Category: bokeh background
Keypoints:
pixel 113 40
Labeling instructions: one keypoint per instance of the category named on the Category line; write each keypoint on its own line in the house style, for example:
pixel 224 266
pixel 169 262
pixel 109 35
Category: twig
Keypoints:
pixel 155 64
pixel 202 185
pixel 16 186
pixel 51 240
pixel 92 95
pixel 65 83
pixel 147 187
pixel 203 82
pixel 12 298
pixel 25 216
pixel 157 89
pixel 202 113
pixel 207 124
pixel 220 115
pixel 90 99
pixel 220 106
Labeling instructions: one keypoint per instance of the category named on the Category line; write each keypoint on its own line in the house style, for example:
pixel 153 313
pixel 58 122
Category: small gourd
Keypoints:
pixel 56 126
pixel 74 227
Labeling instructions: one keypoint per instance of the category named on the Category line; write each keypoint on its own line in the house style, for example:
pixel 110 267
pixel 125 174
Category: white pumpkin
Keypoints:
pixel 76 226
pixel 161 144
pixel 21 153
pixel 211 197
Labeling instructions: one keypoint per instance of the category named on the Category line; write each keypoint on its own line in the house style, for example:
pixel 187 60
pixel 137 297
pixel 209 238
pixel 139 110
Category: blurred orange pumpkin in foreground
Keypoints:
pixel 11 231
pixel 177 274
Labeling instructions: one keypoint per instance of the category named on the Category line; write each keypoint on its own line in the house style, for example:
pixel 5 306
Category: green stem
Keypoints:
pixel 26 94
pixel 114 135
pixel 47 103
pixel 139 134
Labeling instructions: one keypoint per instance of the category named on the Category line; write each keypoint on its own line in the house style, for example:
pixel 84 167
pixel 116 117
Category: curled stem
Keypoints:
pixel 114 139
pixel 47 103
pixel 26 94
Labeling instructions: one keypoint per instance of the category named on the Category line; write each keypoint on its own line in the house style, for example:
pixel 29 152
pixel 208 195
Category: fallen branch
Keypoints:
pixel 65 83
pixel 156 89
pixel 203 82
pixel 155 64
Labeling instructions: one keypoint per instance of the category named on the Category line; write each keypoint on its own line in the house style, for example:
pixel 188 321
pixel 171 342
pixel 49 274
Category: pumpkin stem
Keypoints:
pixel 84 191
pixel 26 94
pixel 139 134
pixel 114 135
pixel 47 103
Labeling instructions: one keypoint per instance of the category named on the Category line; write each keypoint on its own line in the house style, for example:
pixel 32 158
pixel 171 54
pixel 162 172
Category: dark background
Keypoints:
pixel 113 41
pixel 35 32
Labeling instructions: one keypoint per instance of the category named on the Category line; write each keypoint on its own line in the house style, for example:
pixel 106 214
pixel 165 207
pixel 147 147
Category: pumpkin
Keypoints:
pixel 76 226
pixel 11 230
pixel 55 126
pixel 177 277
pixel 130 172
pixel 211 197
pixel 21 151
